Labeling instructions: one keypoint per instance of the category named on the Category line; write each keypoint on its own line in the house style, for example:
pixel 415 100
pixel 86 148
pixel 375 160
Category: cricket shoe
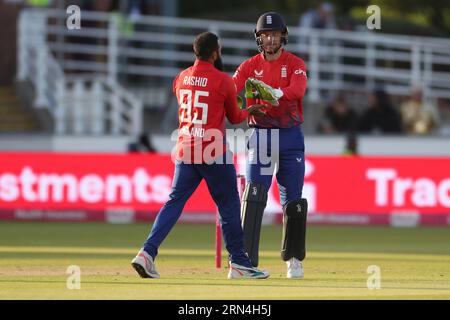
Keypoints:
pixel 144 265
pixel 240 272
pixel 294 268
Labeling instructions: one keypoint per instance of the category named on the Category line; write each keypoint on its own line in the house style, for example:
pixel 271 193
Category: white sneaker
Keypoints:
pixel 294 268
pixel 240 272
pixel 144 265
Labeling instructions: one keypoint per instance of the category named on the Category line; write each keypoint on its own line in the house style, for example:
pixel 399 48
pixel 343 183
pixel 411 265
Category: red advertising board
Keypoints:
pixel 380 185
pixel 334 186
pixel 89 181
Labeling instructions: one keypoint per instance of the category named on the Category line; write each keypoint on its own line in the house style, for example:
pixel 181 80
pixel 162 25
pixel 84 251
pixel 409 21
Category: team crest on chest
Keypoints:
pixel 283 71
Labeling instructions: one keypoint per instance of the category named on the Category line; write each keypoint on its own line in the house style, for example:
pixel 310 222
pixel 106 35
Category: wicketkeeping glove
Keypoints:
pixel 240 102
pixel 258 89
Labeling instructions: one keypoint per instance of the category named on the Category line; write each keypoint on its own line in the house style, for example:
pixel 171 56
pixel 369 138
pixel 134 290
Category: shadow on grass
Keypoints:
pixel 234 283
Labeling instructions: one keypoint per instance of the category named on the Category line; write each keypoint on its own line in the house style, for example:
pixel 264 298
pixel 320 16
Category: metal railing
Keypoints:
pixel 79 104
pixel 98 106
pixel 154 49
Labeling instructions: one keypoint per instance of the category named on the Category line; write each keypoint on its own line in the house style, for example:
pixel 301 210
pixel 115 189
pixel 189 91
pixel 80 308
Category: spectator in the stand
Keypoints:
pixel 381 116
pixel 321 17
pixel 143 144
pixel 419 117
pixel 86 24
pixel 135 10
pixel 338 117
pixel 351 144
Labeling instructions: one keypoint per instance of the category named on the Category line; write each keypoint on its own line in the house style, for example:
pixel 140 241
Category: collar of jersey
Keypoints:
pixel 199 62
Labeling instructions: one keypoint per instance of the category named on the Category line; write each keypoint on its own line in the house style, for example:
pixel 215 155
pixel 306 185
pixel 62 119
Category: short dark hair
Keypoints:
pixel 205 44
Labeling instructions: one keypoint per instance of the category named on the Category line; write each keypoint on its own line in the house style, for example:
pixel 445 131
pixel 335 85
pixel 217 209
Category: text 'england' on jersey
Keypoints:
pixel 205 97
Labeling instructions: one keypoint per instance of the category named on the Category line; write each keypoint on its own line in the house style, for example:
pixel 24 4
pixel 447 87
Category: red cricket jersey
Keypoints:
pixel 205 96
pixel 287 73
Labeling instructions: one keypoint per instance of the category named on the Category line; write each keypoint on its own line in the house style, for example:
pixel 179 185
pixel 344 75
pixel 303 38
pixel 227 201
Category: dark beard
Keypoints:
pixel 218 64
pixel 274 51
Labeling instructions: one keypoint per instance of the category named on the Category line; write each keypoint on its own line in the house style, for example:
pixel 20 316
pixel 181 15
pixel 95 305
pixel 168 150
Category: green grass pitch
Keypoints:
pixel 34 256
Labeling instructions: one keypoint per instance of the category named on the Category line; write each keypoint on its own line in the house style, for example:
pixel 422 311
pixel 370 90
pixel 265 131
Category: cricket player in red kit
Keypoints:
pixel 279 74
pixel 205 96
